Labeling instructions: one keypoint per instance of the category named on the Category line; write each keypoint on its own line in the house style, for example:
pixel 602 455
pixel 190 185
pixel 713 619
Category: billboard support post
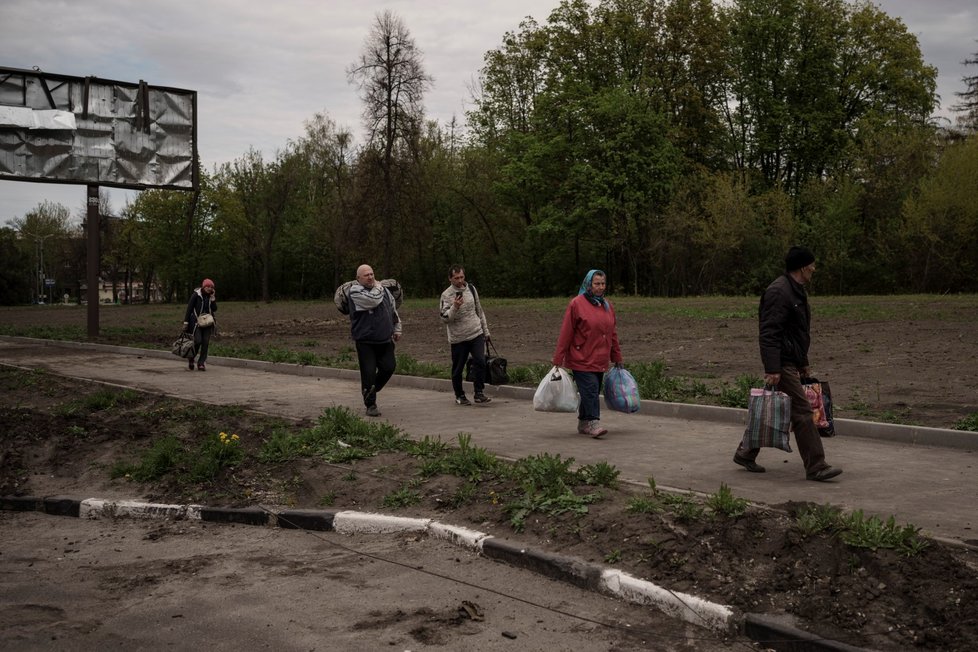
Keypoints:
pixel 92 260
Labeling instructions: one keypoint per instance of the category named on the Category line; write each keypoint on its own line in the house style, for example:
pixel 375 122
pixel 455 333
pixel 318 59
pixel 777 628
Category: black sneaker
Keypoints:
pixel 822 475
pixel 481 398
pixel 461 400
pixel 750 465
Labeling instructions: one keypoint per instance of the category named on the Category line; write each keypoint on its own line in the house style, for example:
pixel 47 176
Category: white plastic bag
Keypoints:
pixel 556 392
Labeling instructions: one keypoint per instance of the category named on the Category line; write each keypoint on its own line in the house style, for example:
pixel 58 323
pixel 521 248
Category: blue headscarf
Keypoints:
pixel 586 288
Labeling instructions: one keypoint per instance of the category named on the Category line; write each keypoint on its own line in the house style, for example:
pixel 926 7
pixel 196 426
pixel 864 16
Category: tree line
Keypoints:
pixel 681 145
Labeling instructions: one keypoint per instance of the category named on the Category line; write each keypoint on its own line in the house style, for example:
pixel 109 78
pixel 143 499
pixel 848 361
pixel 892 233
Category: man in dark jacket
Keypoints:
pixel 784 319
pixel 374 326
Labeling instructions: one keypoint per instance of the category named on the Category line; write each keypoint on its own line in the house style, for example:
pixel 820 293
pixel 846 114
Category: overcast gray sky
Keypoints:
pixel 263 68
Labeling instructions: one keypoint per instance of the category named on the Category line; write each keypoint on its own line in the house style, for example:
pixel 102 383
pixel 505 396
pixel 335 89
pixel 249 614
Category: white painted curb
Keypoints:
pixel 350 522
pixel 95 508
pixel 459 536
pixel 690 608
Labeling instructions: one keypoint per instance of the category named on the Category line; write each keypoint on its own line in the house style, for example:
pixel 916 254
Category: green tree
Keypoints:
pixel 940 225
pixel 256 201
pixel 44 231
pixel 809 76
pixel 16 278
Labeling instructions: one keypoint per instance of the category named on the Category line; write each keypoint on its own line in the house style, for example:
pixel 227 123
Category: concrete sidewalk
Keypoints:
pixel 924 476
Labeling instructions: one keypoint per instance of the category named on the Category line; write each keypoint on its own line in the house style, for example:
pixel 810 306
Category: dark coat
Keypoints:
pixel 784 320
pixel 197 305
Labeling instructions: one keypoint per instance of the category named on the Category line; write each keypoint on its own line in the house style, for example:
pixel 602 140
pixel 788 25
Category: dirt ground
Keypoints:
pixel 74 584
pixel 54 442
pixel 902 359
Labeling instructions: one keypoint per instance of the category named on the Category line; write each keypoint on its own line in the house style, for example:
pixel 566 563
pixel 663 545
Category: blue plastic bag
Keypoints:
pixel 621 391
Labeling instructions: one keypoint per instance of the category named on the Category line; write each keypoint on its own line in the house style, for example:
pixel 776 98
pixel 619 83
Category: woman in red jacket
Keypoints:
pixel 588 341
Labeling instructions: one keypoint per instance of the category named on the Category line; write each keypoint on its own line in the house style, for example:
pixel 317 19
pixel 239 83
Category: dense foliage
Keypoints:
pixel 681 145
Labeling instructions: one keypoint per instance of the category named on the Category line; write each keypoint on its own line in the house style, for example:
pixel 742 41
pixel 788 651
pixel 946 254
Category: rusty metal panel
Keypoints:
pixel 88 130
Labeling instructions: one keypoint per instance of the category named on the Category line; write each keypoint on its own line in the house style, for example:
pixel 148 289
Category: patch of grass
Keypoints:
pixel 643 505
pixel 163 456
pixel 736 395
pixel 969 422
pixel 723 502
pixel 684 508
pixel 101 400
pixel 601 474
pixel 339 436
pixel 859 531
pixel 470 462
pixel 328 499
pixel 408 366
pixel 655 385
pixel 214 454
pixel 613 557
pixel 527 374
pixel 403 497
pixel 545 482
pixel 818 518
pixel 463 495
pixel 874 533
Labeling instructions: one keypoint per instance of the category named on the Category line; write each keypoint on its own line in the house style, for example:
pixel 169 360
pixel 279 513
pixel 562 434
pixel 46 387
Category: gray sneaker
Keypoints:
pixel 481 398
pixel 372 411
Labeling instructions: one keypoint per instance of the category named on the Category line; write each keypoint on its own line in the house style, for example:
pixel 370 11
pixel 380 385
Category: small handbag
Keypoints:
pixel 205 320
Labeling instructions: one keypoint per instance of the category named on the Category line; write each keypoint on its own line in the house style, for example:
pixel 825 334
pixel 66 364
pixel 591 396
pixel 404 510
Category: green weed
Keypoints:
pixel 818 518
pixel 613 557
pixel 162 457
pixel 403 497
pixel 737 394
pixel 601 474
pixel 643 505
pixel 969 422
pixel 723 502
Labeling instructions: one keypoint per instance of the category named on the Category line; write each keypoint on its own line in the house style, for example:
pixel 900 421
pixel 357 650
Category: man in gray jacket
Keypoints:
pixel 468 333
pixel 375 326
pixel 784 334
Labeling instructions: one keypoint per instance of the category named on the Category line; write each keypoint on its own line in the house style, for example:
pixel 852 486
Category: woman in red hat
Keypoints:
pixel 199 321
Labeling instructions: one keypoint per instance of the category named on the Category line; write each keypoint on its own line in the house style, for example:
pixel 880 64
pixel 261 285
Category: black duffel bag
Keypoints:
pixel 495 368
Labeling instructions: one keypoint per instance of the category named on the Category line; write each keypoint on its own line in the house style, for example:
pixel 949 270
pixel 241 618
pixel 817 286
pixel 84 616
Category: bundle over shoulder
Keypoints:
pixel 342 295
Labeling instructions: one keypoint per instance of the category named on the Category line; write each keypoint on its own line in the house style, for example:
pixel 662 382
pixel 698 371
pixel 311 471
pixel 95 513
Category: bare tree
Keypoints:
pixel 968 106
pixel 392 83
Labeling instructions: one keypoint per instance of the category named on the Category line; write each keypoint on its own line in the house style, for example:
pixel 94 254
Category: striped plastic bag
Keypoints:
pixel 768 419
pixel 621 391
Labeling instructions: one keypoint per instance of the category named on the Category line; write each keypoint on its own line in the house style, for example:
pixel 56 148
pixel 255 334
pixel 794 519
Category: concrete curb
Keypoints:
pixel 897 433
pixel 719 618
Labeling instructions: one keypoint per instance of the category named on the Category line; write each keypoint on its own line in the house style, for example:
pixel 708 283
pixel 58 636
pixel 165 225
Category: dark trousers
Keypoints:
pixel 476 348
pixel 806 434
pixel 377 364
pixel 202 342
pixel 588 386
